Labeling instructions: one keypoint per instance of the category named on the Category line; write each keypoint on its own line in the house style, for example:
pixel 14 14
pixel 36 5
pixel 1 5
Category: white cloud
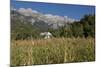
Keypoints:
pixel 59 19
pixel 48 18
pixel 27 12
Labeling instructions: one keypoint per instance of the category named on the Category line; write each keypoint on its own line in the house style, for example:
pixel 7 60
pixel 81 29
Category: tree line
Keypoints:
pixel 83 28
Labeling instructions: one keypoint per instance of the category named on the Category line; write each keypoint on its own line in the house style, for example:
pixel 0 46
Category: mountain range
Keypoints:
pixel 28 16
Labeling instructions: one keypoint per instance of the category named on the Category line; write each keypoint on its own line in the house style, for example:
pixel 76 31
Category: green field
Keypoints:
pixel 52 51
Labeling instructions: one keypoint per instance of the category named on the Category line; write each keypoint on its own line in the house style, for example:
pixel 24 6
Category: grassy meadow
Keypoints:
pixel 43 35
pixel 52 51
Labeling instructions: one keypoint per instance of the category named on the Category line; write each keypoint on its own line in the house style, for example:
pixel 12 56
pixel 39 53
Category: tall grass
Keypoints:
pixel 51 51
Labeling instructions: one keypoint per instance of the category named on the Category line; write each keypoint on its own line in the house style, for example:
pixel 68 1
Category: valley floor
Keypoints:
pixel 52 51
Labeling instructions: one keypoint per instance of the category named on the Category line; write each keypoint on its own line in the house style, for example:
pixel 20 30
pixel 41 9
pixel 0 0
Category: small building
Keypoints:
pixel 46 35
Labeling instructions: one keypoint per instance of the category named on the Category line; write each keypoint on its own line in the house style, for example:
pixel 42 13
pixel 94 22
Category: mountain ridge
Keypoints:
pixel 35 18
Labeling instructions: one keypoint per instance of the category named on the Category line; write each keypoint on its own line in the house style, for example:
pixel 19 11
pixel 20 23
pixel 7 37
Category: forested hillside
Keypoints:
pixel 26 26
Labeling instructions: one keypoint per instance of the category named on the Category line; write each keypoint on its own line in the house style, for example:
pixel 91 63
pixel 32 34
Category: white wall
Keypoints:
pixel 86 2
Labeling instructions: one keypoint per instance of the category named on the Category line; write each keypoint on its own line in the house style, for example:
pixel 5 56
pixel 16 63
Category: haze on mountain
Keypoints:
pixel 38 19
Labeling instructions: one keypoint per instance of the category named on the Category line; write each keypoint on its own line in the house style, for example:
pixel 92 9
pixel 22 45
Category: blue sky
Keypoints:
pixel 72 11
